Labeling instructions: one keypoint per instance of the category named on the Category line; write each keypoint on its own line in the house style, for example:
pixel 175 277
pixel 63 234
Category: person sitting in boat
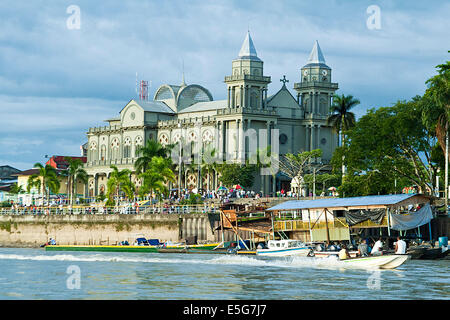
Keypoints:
pixel 51 242
pixel 343 253
pixel 363 249
pixel 377 248
pixel 400 246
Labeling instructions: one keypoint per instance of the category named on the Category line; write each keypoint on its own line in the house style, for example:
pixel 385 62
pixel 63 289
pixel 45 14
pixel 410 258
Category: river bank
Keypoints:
pixel 31 231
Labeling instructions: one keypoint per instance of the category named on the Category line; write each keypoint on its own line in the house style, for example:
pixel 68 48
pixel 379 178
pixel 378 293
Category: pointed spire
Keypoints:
pixel 248 48
pixel 316 55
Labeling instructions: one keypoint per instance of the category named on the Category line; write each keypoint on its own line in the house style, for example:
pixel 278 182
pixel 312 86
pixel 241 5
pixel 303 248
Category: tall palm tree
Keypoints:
pixel 146 153
pixel 75 173
pixel 119 180
pixel 341 118
pixel 46 180
pixel 208 162
pixel 157 176
pixel 16 189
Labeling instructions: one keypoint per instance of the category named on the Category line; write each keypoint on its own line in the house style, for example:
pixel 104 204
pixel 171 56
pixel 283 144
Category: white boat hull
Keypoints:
pixel 283 252
pixel 390 261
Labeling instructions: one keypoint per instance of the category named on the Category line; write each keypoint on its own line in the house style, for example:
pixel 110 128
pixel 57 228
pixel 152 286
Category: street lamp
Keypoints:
pixel 179 163
pixel 314 177
pixel 200 146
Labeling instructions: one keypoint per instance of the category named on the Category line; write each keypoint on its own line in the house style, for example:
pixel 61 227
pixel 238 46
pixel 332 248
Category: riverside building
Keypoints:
pixel 246 121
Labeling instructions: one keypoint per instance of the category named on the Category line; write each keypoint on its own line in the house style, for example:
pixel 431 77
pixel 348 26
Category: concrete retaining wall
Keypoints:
pixel 29 230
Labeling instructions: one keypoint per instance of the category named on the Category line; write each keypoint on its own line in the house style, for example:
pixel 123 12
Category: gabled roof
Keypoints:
pixel 286 93
pixel 350 203
pixel 205 106
pixel 152 106
pixel 248 50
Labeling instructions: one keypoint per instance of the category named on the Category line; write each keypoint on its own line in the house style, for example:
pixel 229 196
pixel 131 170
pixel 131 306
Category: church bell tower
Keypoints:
pixel 315 89
pixel 247 86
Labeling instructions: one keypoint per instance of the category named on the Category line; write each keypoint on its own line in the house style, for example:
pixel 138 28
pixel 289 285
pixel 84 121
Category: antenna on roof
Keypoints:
pixel 142 89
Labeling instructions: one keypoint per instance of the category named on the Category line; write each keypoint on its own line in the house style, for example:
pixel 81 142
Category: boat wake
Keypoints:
pixel 283 262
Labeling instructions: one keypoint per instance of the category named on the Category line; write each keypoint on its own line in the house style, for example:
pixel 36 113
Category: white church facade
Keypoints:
pixel 248 119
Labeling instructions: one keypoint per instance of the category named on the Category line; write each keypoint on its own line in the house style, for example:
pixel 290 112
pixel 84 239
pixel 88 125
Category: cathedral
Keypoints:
pixel 234 128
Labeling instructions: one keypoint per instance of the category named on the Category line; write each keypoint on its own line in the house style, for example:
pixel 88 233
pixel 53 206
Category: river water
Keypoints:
pixel 37 274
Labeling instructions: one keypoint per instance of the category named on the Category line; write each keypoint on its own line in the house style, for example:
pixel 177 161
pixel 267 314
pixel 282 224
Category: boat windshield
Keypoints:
pixel 295 244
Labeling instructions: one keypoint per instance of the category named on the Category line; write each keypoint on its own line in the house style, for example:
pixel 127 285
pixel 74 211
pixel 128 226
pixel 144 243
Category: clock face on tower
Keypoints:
pixel 305 73
pixel 324 72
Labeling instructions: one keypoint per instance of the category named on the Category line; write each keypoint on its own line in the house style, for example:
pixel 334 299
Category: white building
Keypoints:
pixel 248 119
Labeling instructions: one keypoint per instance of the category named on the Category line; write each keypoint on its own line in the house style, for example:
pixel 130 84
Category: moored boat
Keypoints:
pixel 125 248
pixel 281 248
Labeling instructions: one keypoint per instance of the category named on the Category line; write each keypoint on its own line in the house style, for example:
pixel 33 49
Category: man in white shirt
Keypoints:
pixel 400 246
pixel 377 248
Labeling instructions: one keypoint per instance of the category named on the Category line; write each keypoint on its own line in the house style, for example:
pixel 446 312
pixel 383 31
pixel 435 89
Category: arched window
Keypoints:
pixel 115 147
pixel 93 152
pixel 127 147
pixel 103 152
pixel 137 145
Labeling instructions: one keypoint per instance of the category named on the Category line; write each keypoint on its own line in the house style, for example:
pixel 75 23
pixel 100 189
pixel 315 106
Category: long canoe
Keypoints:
pixel 104 248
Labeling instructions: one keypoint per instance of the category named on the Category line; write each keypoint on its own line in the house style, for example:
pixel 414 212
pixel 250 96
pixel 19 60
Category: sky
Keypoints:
pixel 62 72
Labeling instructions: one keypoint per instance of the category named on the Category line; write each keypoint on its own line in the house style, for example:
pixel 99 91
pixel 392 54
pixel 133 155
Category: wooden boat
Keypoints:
pixel 132 248
pixel 281 248
pixel 389 261
pixel 325 254
pixel 434 253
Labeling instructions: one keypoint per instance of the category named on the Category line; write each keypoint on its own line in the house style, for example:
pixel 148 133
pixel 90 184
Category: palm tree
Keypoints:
pixel 341 118
pixel 47 180
pixel 208 163
pixel 157 176
pixel 119 180
pixel 74 173
pixel 152 149
pixel 16 189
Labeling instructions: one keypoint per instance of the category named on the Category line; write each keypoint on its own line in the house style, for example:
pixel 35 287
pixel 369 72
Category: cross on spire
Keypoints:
pixel 284 80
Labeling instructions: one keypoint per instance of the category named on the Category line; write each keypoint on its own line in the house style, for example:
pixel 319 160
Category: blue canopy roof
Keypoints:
pixel 381 200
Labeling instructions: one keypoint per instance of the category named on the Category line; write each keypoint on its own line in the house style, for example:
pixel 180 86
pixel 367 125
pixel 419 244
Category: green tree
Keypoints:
pixel 232 174
pixel 436 111
pixel 46 180
pixel 119 181
pixel 75 172
pixel 16 189
pixel 146 153
pixel 157 176
pixel 341 118
pixel 389 145
pixel 296 166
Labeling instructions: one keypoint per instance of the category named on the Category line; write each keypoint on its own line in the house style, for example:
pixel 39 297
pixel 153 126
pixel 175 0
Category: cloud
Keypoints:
pixel 56 83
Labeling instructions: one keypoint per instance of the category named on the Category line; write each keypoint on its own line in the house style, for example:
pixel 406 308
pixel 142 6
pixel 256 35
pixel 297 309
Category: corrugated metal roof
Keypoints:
pixel 205 106
pixel 154 106
pixel 342 202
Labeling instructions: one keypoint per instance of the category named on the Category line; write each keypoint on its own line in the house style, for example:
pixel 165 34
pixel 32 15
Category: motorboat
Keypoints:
pixel 282 248
pixel 388 261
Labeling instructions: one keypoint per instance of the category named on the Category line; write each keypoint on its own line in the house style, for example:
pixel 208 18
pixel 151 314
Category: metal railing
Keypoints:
pixel 298 224
pixel 124 209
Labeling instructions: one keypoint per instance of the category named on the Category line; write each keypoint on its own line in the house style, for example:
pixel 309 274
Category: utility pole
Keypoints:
pixel 446 168
pixel 179 164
